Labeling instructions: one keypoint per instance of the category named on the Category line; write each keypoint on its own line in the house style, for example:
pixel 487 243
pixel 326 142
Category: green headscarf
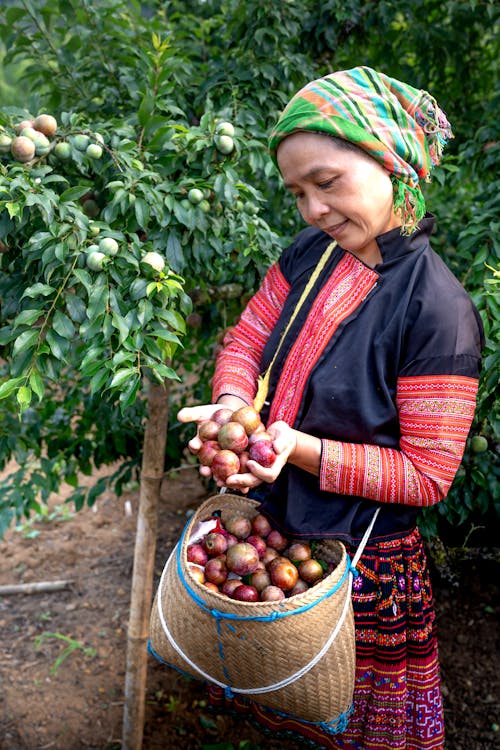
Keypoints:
pixel 401 127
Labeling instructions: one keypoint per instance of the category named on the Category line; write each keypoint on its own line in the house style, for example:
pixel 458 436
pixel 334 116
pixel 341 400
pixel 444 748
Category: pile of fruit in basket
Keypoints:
pixel 248 560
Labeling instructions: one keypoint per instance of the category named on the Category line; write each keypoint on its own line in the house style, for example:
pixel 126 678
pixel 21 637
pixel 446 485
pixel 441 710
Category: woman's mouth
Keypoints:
pixel 336 229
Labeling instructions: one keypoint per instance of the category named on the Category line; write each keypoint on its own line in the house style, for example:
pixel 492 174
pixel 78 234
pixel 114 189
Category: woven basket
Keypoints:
pixel 296 656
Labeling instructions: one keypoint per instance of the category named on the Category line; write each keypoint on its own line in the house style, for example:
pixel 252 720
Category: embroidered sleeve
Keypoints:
pixel 435 413
pixel 238 365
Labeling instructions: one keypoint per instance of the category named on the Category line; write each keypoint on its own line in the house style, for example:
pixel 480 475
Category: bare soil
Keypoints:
pixel 62 654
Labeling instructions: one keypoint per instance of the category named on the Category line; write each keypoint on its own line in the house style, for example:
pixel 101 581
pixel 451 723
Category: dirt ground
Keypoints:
pixel 62 654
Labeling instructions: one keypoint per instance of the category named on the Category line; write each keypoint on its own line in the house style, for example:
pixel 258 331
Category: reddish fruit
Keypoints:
pixel 215 543
pixel 269 555
pixel 196 554
pixel 207 452
pixel 275 560
pixel 272 594
pixel 231 540
pixel 284 574
pixel 240 526
pixel 260 436
pixel 208 430
pixel 248 417
pixel 300 587
pixel 224 464
pixel 260 524
pixel 22 148
pixel 276 540
pixel 311 571
pixel 263 452
pixel 197 572
pixel 229 585
pixel 245 593
pixel 212 586
pixel 260 579
pixel 259 544
pixel 216 570
pixel 233 437
pixel 221 416
pixel 46 124
pixel 24 124
pixel 299 551
pixel 242 558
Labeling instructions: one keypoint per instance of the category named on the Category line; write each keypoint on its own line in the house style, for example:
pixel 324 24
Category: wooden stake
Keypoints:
pixel 155 437
pixel 34 588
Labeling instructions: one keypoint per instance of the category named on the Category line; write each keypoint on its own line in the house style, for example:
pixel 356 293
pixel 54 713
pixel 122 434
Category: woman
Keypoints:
pixel 372 385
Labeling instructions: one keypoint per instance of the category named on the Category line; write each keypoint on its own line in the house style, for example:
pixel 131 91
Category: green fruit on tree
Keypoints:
pixel 5 143
pixel 251 209
pixel 46 124
pixel 108 246
pixel 195 196
pixel 95 260
pixel 94 229
pixel 225 128
pixel 239 205
pixel 114 185
pixel 94 151
pixel 62 150
pixel 22 148
pixel 186 204
pixel 479 444
pixel 29 133
pixel 155 260
pixel 90 208
pixel 81 141
pixel 93 249
pixel 42 145
pixel 205 206
pixel 224 144
pixel 98 138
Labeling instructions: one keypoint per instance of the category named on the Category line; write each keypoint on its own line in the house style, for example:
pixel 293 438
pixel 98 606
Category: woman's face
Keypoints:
pixel 345 193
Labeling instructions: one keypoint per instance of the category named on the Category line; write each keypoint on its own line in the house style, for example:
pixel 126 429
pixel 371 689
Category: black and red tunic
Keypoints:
pixel 382 364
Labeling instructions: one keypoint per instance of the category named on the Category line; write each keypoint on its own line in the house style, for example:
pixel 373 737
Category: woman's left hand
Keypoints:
pixel 284 444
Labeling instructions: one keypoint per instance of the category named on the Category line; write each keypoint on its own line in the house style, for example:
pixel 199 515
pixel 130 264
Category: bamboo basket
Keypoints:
pixel 296 656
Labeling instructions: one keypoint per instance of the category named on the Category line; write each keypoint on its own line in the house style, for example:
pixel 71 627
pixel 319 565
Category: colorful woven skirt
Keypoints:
pixel 397 697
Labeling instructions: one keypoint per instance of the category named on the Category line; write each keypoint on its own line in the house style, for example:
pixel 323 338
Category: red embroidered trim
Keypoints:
pixel 238 365
pixel 340 296
pixel 436 413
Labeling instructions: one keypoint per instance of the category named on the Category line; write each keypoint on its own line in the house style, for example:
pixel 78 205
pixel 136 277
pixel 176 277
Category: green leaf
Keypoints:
pixel 121 376
pixel 43 289
pixel 27 317
pixel 24 396
pixel 145 109
pixel 10 386
pixel 36 384
pixel 63 325
pixel 24 342
pixel 74 193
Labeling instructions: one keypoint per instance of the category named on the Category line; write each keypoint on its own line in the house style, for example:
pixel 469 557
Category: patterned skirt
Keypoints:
pixel 397 697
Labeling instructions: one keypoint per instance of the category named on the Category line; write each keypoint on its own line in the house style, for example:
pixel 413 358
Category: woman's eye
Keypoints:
pixel 326 184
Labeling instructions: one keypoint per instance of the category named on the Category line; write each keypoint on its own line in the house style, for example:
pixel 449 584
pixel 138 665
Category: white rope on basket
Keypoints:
pixel 296 675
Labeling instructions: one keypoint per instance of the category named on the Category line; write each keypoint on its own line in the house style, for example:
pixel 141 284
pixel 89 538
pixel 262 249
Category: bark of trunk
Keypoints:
pixel 152 470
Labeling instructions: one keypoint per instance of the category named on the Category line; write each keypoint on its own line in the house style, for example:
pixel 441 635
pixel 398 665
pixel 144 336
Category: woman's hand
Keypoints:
pixel 284 444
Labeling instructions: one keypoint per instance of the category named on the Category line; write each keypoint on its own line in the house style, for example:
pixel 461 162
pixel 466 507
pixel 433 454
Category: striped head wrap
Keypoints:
pixel 401 127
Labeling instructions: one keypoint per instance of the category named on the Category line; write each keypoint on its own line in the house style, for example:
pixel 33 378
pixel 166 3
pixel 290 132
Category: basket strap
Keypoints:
pixel 364 540
pixel 268 688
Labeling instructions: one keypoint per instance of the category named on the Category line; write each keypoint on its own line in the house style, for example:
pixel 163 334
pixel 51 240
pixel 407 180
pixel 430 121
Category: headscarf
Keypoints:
pixel 400 126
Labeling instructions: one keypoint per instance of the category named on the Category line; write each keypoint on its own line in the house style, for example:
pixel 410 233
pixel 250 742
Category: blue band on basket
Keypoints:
pixel 217 615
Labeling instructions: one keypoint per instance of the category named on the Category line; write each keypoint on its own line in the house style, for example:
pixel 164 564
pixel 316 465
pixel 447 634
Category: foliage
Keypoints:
pixel 152 78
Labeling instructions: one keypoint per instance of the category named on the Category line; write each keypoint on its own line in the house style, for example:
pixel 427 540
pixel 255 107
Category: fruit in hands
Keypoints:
pixel 259 436
pixel 248 417
pixel 22 149
pixel 207 452
pixel 263 453
pixel 221 416
pixel 233 437
pixel 208 430
pixel 240 526
pixel 224 464
pixel 244 456
pixel 242 558
pixel 46 124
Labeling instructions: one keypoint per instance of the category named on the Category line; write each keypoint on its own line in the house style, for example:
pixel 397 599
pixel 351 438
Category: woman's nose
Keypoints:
pixel 315 209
